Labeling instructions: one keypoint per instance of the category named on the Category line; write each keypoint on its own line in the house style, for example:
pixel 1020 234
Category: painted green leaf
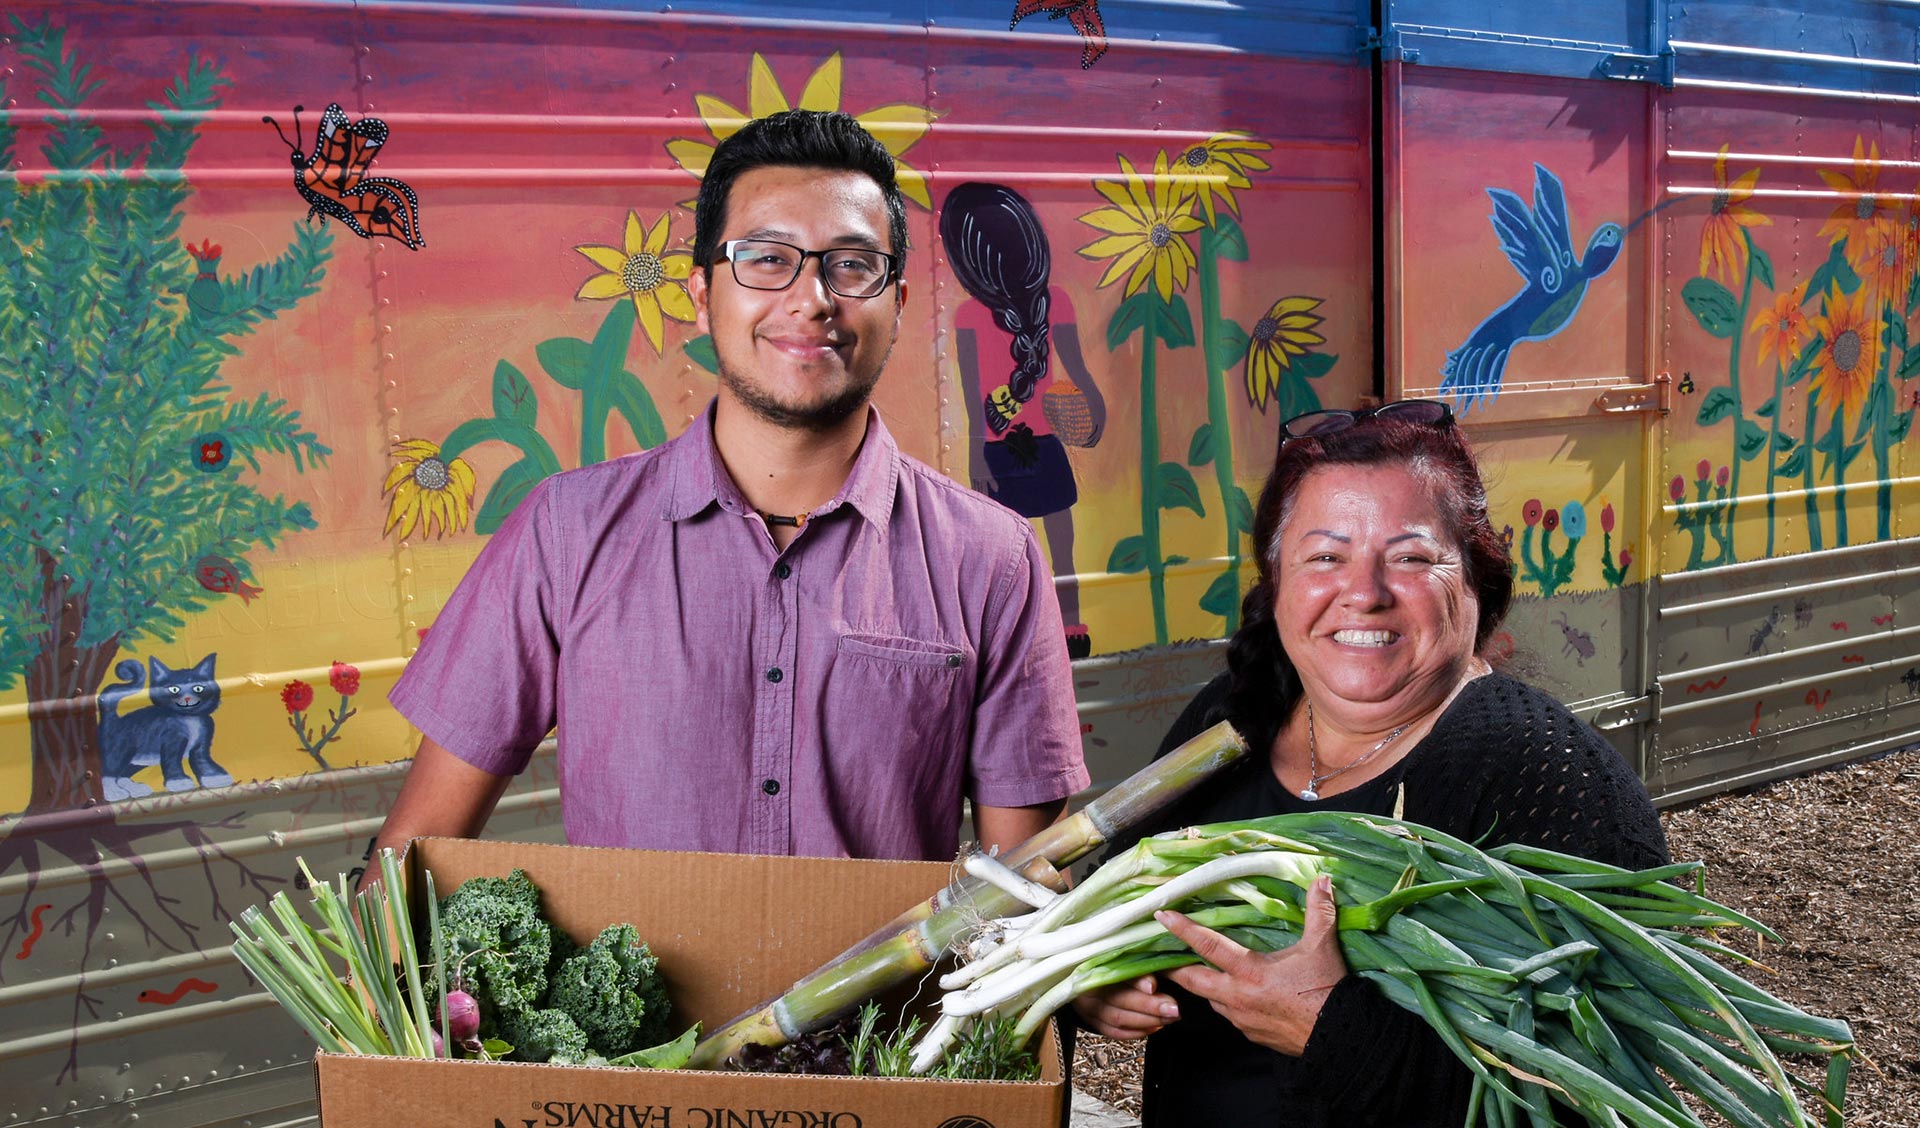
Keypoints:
pixel 1175 323
pixel 1129 556
pixel 1795 464
pixel 1897 333
pixel 1803 364
pixel 1836 273
pixel 1765 410
pixel 1223 595
pixel 610 343
pixel 1715 406
pixel 525 439
pixel 1910 367
pixel 700 351
pixel 1240 510
pixel 1874 414
pixel 1200 450
pixel 1899 425
pixel 506 493
pixel 565 359
pixel 1128 318
pixel 1713 306
pixel 1762 265
pixel 513 396
pixel 1749 439
pixel 1230 343
pixel 1913 296
pixel 1315 365
pixel 1229 241
pixel 1176 561
pixel 1176 488
pixel 1783 442
pixel 635 404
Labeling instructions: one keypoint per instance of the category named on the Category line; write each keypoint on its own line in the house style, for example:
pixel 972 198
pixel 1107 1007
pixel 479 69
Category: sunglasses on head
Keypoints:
pixel 1317 424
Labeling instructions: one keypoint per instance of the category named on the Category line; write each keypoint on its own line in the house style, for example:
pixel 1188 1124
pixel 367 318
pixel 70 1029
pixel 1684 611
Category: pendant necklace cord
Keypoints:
pixel 1311 791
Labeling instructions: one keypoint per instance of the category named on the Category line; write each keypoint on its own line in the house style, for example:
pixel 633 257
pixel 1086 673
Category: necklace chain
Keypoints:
pixel 1311 791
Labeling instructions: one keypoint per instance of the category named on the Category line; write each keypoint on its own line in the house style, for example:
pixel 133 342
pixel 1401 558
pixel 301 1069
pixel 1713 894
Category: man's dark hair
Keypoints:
pixel 800 139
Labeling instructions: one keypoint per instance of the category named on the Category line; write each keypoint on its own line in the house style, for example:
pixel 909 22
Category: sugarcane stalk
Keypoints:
pixel 913 942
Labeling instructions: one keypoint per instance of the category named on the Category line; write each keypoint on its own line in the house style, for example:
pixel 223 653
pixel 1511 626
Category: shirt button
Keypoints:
pixel 953 661
pixel 770 786
pixel 774 675
pixel 782 570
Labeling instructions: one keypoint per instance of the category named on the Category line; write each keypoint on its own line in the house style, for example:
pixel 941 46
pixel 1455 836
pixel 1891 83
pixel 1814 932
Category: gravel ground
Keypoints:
pixel 1831 862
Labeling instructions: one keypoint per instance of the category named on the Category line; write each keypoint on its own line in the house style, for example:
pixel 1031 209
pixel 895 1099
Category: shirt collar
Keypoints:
pixel 700 478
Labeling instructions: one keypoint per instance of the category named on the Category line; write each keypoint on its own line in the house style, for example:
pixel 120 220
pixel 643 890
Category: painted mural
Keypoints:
pixel 255 435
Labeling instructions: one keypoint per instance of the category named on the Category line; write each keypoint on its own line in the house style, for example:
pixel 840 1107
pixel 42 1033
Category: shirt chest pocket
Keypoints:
pixel 903 693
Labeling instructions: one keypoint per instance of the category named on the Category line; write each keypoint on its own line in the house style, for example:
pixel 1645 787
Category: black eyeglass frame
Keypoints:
pixel 826 275
pixel 1349 419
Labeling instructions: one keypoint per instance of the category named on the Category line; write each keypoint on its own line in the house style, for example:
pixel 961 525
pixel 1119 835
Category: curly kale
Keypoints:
pixel 500 944
pixel 545 1034
pixel 613 991
pixel 538 991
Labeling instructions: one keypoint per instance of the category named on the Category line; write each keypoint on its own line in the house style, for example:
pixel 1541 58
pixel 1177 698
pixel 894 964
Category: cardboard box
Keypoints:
pixel 731 931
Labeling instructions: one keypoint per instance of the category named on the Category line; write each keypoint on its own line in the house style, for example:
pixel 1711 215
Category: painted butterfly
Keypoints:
pixel 334 178
pixel 1084 15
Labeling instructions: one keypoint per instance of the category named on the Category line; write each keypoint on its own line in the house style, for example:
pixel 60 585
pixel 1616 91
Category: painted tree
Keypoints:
pixel 116 431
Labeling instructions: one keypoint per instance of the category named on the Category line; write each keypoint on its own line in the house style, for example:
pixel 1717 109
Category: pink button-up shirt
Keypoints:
pixel 712 693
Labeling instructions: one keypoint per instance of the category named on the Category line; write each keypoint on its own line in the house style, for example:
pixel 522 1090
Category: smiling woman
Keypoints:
pixel 1358 668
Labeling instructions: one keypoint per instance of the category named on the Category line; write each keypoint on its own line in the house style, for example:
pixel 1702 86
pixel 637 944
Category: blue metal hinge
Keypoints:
pixel 1629 67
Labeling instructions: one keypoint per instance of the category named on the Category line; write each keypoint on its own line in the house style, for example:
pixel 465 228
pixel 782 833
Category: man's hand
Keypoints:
pixel 1274 998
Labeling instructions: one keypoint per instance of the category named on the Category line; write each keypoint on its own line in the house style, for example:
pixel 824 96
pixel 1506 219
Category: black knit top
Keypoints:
pixel 1504 763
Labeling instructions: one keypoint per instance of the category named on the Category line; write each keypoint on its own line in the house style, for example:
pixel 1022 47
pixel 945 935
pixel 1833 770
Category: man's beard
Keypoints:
pixel 822 416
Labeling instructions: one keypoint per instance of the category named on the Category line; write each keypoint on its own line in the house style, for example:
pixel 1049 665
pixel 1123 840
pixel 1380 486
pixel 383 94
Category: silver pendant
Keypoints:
pixel 1309 794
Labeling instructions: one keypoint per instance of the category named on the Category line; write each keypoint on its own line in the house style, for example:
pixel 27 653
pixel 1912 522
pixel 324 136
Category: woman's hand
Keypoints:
pixel 1126 1011
pixel 1273 998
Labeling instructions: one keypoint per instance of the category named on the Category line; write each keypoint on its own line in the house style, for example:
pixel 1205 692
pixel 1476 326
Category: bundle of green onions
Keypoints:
pixel 1558 981
pixel 377 1002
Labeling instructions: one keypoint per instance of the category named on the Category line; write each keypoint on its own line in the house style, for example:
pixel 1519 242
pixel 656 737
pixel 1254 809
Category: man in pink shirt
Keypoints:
pixel 775 633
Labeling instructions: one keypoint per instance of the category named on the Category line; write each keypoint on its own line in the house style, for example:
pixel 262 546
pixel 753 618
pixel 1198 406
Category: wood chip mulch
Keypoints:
pixel 1830 861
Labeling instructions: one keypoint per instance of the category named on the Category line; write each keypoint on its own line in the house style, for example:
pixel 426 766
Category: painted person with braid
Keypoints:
pixel 1006 338
pixel 1358 669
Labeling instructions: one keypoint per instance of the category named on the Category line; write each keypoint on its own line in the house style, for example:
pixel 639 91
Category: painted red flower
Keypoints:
pixel 344 679
pixel 1701 471
pixel 1626 558
pixel 1677 488
pixel 297 696
pixel 1551 521
pixel 1530 512
pixel 1606 518
pixel 1721 478
pixel 212 452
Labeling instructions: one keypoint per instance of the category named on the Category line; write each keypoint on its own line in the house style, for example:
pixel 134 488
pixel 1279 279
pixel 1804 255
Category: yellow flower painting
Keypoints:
pixel 429 493
pixel 641 268
pixel 1146 227
pixel 899 125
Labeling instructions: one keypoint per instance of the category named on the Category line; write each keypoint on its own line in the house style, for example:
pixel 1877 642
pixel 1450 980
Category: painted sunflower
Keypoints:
pixel 1782 328
pixel 427 491
pixel 1723 245
pixel 1147 226
pixel 1886 259
pixel 1861 205
pixel 1219 165
pixel 899 125
pixel 1284 332
pixel 642 269
pixel 1843 373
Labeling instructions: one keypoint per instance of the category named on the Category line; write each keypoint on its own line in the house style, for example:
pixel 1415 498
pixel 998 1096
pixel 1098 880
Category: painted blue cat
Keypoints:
pixel 177 727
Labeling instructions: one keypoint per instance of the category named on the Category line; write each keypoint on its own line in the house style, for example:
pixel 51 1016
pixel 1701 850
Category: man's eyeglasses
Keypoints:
pixel 768 264
pixel 1317 424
